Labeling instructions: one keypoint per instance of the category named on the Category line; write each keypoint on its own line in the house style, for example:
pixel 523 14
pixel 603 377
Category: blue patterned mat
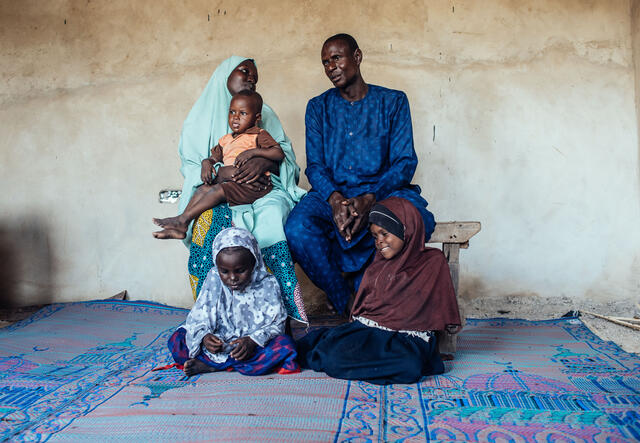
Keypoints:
pixel 82 371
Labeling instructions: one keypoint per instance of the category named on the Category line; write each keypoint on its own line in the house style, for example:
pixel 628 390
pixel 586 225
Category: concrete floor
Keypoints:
pixel 539 308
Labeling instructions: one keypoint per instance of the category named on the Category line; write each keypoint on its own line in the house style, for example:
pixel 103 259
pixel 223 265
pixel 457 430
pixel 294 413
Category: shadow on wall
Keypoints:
pixel 26 268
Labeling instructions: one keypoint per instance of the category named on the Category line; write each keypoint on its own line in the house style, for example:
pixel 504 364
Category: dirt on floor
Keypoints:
pixel 541 308
pixel 12 315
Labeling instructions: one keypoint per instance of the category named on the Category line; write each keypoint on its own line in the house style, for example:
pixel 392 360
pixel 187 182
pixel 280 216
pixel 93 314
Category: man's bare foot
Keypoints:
pixel 171 223
pixel 195 366
pixel 170 233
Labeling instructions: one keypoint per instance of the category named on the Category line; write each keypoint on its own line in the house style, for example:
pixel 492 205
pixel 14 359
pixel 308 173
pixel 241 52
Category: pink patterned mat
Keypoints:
pixel 82 371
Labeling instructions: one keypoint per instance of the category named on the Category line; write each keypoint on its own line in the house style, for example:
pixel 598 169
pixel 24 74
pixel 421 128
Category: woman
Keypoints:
pixel 405 296
pixel 205 124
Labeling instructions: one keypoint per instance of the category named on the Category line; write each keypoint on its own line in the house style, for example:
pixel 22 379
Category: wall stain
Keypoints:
pixel 559 151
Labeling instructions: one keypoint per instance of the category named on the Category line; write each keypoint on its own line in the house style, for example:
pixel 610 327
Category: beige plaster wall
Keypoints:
pixel 524 118
pixel 635 42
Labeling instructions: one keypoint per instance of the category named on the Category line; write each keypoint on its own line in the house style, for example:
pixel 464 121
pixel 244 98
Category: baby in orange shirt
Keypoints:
pixel 245 142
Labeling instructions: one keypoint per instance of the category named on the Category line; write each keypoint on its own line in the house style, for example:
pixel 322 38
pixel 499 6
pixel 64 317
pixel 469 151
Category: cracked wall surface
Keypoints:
pixel 524 118
pixel 635 39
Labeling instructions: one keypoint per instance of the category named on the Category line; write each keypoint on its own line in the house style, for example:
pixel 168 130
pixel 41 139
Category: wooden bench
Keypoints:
pixel 453 236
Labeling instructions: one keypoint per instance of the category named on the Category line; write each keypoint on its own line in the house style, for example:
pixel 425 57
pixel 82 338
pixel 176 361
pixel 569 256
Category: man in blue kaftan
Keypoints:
pixel 359 144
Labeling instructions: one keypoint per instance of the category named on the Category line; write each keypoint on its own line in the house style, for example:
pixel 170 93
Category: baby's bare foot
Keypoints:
pixel 171 223
pixel 195 366
pixel 170 233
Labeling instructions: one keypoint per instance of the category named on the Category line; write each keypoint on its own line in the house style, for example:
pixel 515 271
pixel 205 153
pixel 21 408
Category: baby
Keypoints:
pixel 245 142
pixel 237 322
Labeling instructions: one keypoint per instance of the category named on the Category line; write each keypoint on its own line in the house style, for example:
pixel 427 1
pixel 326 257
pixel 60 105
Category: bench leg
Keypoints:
pixel 447 342
pixel 452 253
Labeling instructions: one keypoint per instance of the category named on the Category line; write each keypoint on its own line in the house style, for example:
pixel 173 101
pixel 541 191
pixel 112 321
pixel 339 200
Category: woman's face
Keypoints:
pixel 243 78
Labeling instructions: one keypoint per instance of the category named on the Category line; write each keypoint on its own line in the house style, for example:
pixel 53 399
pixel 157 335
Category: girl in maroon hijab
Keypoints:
pixel 405 296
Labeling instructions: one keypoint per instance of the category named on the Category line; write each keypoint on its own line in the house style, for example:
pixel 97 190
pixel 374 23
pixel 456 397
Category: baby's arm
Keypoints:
pixel 207 172
pixel 216 154
pixel 267 148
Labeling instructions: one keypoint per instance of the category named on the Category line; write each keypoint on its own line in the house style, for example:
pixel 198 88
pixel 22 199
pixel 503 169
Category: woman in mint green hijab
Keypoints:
pixel 265 218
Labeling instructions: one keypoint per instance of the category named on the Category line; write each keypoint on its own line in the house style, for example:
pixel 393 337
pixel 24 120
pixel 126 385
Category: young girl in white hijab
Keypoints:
pixel 238 320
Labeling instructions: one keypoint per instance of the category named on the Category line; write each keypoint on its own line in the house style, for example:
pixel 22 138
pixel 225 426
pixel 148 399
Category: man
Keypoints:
pixel 359 150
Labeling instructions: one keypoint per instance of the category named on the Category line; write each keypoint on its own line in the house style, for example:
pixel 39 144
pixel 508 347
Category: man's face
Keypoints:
pixel 341 65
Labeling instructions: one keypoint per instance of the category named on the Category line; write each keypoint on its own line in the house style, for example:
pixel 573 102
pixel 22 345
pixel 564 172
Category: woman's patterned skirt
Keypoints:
pixel 277 258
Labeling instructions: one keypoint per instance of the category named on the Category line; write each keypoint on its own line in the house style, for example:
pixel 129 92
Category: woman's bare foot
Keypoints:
pixel 171 223
pixel 170 233
pixel 195 366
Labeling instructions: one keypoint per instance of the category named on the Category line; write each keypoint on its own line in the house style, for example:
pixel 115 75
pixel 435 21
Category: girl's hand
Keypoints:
pixel 245 348
pixel 206 172
pixel 212 343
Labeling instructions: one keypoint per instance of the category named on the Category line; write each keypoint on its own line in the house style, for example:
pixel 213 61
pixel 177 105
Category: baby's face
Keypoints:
pixel 387 244
pixel 235 268
pixel 242 114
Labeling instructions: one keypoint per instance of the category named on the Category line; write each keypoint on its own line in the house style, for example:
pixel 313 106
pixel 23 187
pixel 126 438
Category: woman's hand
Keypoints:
pixel 243 157
pixel 225 174
pixel 206 172
pixel 212 343
pixel 261 184
pixel 245 348
pixel 252 169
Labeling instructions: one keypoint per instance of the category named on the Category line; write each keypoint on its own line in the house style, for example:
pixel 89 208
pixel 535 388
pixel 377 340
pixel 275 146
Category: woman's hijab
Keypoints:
pixel 413 290
pixel 207 121
pixel 256 311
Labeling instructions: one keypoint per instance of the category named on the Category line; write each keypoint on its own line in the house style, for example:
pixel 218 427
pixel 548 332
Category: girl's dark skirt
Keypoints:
pixel 354 351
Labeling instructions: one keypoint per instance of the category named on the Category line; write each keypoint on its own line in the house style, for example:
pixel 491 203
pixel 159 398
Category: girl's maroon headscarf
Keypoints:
pixel 413 290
